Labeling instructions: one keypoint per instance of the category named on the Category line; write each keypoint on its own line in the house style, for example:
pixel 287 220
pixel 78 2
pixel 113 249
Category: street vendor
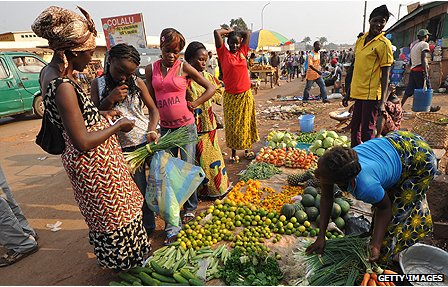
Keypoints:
pixel 393 174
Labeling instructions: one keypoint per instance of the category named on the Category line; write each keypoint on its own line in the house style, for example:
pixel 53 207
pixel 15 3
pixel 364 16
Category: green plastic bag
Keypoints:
pixel 171 182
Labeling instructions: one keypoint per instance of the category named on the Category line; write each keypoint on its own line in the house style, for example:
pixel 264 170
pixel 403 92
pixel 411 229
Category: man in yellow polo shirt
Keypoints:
pixel 373 58
pixel 313 74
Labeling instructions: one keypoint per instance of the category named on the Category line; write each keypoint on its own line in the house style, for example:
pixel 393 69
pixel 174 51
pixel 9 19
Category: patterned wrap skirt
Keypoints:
pixel 209 157
pixel 109 200
pixel 239 120
pixel 411 218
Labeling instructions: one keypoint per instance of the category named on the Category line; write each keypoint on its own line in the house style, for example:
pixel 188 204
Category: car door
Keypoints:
pixel 28 70
pixel 10 97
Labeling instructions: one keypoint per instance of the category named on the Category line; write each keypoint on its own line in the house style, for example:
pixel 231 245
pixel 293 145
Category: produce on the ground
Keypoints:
pixel 259 170
pixel 326 140
pixel 306 137
pixel 251 269
pixel 278 139
pixel 177 138
pixel 288 157
pixel 159 274
pixel 251 192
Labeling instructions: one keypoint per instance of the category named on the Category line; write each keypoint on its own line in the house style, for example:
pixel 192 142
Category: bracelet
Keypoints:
pixel 190 106
pixel 153 132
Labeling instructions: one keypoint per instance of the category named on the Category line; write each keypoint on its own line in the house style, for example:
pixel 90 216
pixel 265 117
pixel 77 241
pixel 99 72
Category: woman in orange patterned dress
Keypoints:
pixel 107 196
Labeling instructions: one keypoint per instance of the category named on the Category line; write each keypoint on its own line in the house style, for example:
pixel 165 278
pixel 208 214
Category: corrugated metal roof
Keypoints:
pixel 414 13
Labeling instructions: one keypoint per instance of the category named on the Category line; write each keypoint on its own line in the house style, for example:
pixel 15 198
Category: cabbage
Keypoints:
pixel 312 148
pixel 337 142
pixel 328 142
pixel 317 143
pixel 272 144
pixel 281 145
pixel 343 138
pixel 287 137
pixel 278 137
pixel 320 152
pixel 322 135
pixel 332 134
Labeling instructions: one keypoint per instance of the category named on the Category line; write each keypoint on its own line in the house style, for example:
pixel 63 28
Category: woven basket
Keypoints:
pixel 431 129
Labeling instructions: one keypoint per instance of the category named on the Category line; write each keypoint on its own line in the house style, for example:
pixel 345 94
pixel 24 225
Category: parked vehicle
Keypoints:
pixel 19 84
pixel 147 56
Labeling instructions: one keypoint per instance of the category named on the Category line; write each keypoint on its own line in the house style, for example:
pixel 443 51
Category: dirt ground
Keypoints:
pixel 43 191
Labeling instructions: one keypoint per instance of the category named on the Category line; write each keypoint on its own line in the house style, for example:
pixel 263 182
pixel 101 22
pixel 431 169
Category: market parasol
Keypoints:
pixel 265 38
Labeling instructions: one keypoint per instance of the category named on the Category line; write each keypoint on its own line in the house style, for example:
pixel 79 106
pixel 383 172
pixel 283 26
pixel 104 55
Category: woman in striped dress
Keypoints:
pixel 107 196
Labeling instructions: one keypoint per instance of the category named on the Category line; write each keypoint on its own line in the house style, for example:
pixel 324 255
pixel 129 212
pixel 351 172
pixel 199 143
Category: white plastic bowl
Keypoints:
pixel 424 259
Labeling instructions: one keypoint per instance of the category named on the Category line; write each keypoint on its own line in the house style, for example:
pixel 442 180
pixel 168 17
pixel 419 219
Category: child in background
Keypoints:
pixel 208 152
pixel 167 83
pixel 239 105
pixel 393 113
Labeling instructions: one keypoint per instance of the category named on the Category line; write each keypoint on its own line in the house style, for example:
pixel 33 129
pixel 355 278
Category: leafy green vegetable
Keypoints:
pixel 260 170
pixel 252 269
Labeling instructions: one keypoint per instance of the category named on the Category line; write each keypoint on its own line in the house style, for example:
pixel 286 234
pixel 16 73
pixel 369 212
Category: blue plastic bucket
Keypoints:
pixel 422 100
pixel 306 123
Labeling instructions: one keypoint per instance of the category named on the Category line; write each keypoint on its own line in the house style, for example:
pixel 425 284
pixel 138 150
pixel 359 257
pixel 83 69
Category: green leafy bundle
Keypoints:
pixel 177 138
pixel 260 170
pixel 343 262
pixel 252 269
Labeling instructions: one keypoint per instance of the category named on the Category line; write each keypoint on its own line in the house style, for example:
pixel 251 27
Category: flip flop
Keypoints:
pixel 434 109
pixel 250 155
pixel 189 216
pixel 170 240
pixel 235 159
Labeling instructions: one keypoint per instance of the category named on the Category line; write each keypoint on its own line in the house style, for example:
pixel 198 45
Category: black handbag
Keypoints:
pixel 50 137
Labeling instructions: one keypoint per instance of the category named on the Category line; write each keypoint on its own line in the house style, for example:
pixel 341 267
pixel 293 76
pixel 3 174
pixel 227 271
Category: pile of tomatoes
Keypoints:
pixel 288 157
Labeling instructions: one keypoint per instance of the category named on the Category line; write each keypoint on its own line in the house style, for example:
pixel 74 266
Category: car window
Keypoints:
pixel 3 70
pixel 28 64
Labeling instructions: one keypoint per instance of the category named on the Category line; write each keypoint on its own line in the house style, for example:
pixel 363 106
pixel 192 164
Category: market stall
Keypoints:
pixel 264 72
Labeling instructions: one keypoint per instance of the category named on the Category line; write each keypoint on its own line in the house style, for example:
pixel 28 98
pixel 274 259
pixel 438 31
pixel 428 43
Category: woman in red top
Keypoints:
pixel 238 101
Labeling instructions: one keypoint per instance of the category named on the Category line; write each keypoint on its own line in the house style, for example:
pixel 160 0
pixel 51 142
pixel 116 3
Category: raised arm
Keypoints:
pixel 73 121
pixel 219 33
pixel 245 35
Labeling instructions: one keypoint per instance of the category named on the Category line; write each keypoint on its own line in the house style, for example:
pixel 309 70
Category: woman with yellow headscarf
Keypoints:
pixel 107 196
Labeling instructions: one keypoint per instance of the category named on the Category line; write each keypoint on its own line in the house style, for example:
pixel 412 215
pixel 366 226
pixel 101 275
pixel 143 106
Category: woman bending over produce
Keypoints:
pixel 393 174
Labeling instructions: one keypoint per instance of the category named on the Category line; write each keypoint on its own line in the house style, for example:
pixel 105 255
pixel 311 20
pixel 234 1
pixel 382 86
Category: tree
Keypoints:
pixel 323 40
pixel 236 24
pixel 306 40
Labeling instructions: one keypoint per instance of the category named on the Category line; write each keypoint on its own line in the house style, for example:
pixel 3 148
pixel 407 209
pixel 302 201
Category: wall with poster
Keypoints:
pixel 128 29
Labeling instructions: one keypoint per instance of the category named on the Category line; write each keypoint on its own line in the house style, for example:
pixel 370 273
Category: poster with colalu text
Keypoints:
pixel 128 29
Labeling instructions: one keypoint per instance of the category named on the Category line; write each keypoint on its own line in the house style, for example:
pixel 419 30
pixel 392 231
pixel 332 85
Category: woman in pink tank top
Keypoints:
pixel 167 84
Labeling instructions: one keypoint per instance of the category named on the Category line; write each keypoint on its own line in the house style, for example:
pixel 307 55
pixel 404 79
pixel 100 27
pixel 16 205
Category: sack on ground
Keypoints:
pixel 171 182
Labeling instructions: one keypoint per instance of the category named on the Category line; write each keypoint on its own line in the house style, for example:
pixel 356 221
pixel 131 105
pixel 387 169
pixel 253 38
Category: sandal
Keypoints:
pixel 434 109
pixel 170 239
pixel 189 216
pixel 235 159
pixel 249 155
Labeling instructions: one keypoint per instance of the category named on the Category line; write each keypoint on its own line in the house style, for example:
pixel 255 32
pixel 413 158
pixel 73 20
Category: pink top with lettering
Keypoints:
pixel 170 93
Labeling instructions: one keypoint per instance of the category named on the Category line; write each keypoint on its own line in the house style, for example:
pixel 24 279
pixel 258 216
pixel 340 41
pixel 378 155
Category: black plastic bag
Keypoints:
pixel 357 225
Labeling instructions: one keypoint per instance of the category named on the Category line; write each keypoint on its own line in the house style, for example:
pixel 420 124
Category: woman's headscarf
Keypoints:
pixel 65 29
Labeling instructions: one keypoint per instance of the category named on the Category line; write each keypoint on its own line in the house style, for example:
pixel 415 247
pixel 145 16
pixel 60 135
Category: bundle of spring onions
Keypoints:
pixel 342 264
pixel 177 138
